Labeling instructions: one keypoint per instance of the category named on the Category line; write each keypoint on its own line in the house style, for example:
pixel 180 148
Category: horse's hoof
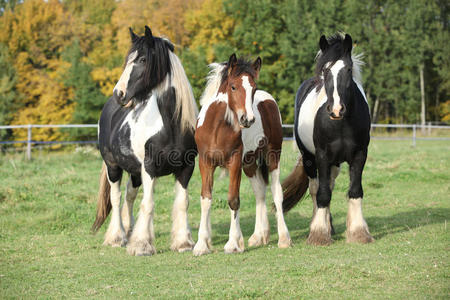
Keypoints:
pixel 201 248
pixel 187 245
pixel 284 242
pixel 141 248
pixel 319 238
pixel 234 247
pixel 359 235
pixel 257 240
pixel 117 239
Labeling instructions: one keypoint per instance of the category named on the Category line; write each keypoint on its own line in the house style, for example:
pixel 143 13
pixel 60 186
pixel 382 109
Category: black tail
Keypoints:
pixel 103 202
pixel 264 170
pixel 294 186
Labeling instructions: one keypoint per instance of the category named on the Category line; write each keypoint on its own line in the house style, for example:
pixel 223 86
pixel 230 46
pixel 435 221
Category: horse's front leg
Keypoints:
pixel 320 228
pixel 357 229
pixel 235 242
pixel 143 236
pixel 181 233
pixel 203 245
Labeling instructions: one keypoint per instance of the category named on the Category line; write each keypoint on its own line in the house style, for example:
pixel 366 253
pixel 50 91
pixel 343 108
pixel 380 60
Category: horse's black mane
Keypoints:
pixel 334 52
pixel 158 64
pixel 243 65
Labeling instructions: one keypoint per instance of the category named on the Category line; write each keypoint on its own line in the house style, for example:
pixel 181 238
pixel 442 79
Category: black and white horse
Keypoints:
pixel 147 129
pixel 332 125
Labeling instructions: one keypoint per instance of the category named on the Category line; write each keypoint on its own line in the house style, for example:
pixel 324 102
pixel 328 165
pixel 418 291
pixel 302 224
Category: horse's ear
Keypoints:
pixel 132 35
pixel 149 35
pixel 257 66
pixel 323 43
pixel 348 43
pixel 232 62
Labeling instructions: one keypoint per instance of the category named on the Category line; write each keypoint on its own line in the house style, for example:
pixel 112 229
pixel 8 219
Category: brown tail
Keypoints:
pixel 103 202
pixel 294 186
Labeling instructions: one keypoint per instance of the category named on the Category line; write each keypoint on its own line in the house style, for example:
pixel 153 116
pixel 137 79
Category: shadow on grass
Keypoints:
pixel 379 226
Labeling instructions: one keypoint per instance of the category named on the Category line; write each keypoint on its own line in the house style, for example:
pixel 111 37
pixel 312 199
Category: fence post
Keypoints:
pixel 29 142
pixel 414 136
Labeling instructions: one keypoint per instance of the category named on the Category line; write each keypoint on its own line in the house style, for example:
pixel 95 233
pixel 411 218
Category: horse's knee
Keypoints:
pixel 234 202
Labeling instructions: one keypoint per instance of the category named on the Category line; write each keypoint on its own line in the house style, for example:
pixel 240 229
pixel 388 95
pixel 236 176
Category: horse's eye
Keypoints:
pixel 233 88
pixel 142 60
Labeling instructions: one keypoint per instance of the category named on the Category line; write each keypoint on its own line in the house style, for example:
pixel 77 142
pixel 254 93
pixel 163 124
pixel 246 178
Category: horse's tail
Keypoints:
pixel 103 202
pixel 294 186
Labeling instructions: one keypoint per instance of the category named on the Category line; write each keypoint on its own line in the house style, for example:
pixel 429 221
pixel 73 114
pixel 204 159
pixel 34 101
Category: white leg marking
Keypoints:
pixel 313 188
pixel 320 229
pixel 181 233
pixel 284 240
pixel 235 242
pixel 203 245
pixel 127 208
pixel 261 234
pixel 143 235
pixel 115 235
pixel 357 229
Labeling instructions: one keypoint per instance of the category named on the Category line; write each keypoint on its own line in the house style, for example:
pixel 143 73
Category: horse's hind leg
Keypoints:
pixel 357 229
pixel 333 174
pixel 261 234
pixel 115 235
pixel 127 208
pixel 143 236
pixel 181 233
pixel 284 240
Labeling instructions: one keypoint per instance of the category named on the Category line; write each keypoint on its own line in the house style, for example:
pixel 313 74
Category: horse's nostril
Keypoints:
pixel 120 94
pixel 243 119
pixel 329 108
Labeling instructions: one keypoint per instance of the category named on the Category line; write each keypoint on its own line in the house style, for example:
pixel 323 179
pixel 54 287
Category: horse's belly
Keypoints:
pixel 306 117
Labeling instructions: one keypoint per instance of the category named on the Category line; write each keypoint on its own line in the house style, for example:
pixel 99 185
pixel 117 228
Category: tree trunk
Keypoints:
pixel 375 110
pixel 422 96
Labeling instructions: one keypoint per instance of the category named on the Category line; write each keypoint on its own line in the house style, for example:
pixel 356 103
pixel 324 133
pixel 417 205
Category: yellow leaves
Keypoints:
pixel 106 78
pixel 209 25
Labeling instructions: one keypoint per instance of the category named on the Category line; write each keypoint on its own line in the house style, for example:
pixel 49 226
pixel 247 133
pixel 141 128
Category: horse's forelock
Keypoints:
pixel 242 66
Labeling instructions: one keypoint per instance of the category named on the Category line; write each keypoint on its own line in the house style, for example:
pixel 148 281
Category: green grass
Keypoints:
pixel 48 205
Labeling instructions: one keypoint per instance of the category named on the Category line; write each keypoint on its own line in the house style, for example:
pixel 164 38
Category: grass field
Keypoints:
pixel 48 205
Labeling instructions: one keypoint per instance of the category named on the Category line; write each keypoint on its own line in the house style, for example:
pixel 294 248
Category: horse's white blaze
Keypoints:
pixel 115 235
pixel 181 234
pixel 306 117
pixel 204 231
pixel 261 233
pixel 248 97
pixel 122 84
pixel 336 98
pixel 355 216
pixel 284 239
pixel 144 126
pixel 235 240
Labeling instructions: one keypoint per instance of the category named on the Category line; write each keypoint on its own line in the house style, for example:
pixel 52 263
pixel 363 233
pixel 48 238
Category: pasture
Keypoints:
pixel 48 205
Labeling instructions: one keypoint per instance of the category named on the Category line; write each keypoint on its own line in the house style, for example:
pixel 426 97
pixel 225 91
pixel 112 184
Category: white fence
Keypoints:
pixel 413 135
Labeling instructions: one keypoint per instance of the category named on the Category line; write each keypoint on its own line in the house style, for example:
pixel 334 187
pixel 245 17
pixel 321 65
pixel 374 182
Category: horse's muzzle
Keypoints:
pixel 121 99
pixel 245 122
pixel 336 114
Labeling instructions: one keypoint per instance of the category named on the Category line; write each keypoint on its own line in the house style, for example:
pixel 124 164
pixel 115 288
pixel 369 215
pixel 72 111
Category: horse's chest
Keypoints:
pixel 306 117
pixel 139 126
pixel 253 136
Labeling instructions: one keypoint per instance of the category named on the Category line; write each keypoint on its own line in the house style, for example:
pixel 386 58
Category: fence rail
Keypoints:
pixel 30 142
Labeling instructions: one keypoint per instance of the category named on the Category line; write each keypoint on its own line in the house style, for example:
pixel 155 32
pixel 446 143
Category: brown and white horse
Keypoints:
pixel 238 128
